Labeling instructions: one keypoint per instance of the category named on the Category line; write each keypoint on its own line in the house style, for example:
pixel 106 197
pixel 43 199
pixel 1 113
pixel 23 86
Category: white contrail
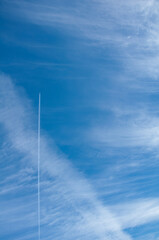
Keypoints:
pixel 39 166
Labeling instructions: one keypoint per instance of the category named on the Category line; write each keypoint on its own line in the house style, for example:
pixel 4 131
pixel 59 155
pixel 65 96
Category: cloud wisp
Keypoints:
pixel 131 27
pixel 70 200
pixel 137 213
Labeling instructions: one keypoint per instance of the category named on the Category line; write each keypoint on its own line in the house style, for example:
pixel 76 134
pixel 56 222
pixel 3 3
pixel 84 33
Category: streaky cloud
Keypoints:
pixel 71 200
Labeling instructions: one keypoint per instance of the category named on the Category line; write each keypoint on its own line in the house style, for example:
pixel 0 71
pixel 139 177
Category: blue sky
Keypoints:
pixel 96 65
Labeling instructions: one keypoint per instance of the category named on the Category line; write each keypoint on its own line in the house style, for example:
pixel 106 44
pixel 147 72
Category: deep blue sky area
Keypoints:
pixel 95 64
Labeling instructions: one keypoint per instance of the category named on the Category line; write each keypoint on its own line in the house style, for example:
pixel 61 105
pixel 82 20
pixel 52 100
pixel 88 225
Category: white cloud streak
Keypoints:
pixel 87 217
pixel 137 213
pixel 129 131
pixel 132 27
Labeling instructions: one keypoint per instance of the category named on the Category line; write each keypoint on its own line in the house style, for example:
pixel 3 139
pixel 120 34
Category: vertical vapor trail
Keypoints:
pixel 39 166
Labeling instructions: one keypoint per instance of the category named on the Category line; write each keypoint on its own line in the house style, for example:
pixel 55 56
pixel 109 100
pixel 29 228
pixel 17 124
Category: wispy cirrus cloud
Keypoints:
pixel 70 205
pixel 130 27
pixel 130 129
pixel 137 212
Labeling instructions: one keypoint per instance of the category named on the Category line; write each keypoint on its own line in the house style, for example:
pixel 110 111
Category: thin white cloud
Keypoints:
pixel 129 26
pixel 71 200
pixel 137 213
pixel 129 130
